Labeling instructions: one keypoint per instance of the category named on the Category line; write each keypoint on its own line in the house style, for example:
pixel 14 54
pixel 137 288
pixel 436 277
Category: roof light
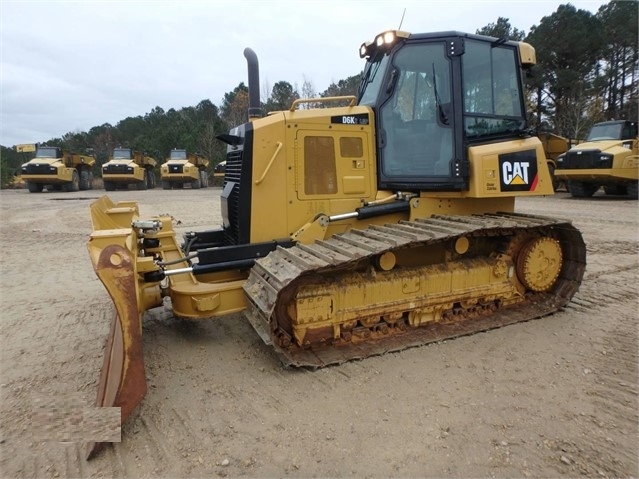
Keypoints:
pixel 383 43
pixel 389 37
pixel 363 49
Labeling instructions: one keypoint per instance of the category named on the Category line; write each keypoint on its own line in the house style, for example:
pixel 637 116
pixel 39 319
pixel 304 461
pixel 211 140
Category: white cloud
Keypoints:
pixel 68 66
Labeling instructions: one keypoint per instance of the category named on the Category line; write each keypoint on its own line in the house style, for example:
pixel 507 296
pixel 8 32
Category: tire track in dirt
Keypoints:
pixel 48 376
pixel 604 288
pixel 609 435
pixel 508 403
pixel 615 392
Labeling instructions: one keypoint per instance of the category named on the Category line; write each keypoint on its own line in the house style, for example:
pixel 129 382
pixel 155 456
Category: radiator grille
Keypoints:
pixel 233 173
pixel 40 169
pixel 117 169
pixel 585 159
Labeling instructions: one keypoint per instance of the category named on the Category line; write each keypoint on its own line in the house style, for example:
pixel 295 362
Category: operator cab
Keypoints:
pixel 178 155
pixel 122 154
pixel 434 95
pixel 613 130
pixel 48 152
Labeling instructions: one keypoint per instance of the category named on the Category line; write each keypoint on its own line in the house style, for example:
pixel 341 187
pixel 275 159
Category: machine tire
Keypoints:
pixel 35 187
pixel 615 190
pixel 142 185
pixel 633 190
pixel 85 180
pixel 166 185
pixel 150 184
pixel 75 183
pixel 555 182
pixel 582 189
pixel 109 186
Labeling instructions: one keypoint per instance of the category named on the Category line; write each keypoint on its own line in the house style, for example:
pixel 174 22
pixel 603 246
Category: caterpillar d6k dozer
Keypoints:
pixel 384 222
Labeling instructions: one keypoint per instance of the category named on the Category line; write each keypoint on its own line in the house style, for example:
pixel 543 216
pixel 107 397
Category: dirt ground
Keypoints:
pixel 554 397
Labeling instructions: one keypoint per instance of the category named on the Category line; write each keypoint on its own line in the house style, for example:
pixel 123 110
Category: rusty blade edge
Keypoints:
pixel 124 343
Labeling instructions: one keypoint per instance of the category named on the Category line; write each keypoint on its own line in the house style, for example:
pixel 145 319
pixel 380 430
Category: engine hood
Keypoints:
pixel 603 145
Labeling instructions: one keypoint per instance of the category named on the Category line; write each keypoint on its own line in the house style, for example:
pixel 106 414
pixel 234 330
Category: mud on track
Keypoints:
pixel 547 398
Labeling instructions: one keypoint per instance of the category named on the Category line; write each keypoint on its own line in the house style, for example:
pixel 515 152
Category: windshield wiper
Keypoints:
pixel 369 75
pixel 443 117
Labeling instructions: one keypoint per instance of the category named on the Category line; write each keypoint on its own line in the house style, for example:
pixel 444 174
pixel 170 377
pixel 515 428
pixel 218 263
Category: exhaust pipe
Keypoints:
pixel 254 110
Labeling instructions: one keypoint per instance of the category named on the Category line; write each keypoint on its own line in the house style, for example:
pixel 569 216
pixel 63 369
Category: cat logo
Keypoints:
pixel 515 173
pixel 518 171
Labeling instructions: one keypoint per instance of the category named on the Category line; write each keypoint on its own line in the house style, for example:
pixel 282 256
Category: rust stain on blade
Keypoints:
pixel 122 380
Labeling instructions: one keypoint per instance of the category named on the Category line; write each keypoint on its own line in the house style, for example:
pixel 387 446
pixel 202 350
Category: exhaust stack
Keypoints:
pixel 254 110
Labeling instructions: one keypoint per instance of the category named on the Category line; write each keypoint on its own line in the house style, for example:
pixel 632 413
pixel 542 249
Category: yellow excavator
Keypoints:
pixel 368 224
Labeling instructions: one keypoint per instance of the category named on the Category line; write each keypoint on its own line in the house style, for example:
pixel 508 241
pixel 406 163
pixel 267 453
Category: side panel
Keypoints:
pixel 267 183
pixel 308 162
pixel 512 168
pixel 331 164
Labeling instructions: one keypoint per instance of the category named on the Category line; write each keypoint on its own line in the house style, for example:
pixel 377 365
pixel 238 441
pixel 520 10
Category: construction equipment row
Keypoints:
pixel 59 170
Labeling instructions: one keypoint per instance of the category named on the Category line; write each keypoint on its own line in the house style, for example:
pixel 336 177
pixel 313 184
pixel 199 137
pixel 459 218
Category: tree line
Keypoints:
pixel 586 69
pixel 586 72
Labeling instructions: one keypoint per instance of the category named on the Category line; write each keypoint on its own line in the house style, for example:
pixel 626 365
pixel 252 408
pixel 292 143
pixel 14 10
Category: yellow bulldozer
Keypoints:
pixel 126 167
pixel 367 225
pixel 184 168
pixel 58 170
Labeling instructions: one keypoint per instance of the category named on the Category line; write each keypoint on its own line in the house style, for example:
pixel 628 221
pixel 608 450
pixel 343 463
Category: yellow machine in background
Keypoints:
pixel 554 146
pixel 183 168
pixel 16 182
pixel 607 158
pixel 359 229
pixel 58 170
pixel 127 167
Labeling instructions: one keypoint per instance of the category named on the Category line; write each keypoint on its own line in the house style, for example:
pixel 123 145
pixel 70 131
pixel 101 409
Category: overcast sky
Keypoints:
pixel 68 66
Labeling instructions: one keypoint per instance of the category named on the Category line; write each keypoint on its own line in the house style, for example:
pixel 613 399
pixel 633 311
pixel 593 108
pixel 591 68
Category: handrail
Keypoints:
pixel 270 163
pixel 326 99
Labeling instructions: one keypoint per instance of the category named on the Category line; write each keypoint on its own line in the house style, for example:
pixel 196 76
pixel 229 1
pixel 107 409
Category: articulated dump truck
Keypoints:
pixel 554 146
pixel 183 168
pixel 127 167
pixel 58 170
pixel 608 158
pixel 383 221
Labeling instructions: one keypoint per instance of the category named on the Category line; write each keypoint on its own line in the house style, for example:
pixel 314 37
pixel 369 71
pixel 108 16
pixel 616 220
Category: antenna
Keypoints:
pixel 402 20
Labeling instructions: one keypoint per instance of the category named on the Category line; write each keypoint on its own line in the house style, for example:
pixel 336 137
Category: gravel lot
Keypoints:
pixel 546 398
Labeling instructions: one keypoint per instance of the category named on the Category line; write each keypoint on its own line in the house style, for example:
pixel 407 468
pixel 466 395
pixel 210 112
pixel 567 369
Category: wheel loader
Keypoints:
pixel 609 158
pixel 58 170
pixel 184 168
pixel 126 167
pixel 366 225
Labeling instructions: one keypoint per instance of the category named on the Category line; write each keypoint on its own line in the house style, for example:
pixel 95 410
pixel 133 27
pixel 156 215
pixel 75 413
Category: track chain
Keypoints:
pixel 284 268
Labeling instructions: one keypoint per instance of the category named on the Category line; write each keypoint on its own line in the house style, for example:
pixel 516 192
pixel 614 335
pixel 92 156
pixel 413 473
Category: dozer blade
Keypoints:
pixel 122 381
